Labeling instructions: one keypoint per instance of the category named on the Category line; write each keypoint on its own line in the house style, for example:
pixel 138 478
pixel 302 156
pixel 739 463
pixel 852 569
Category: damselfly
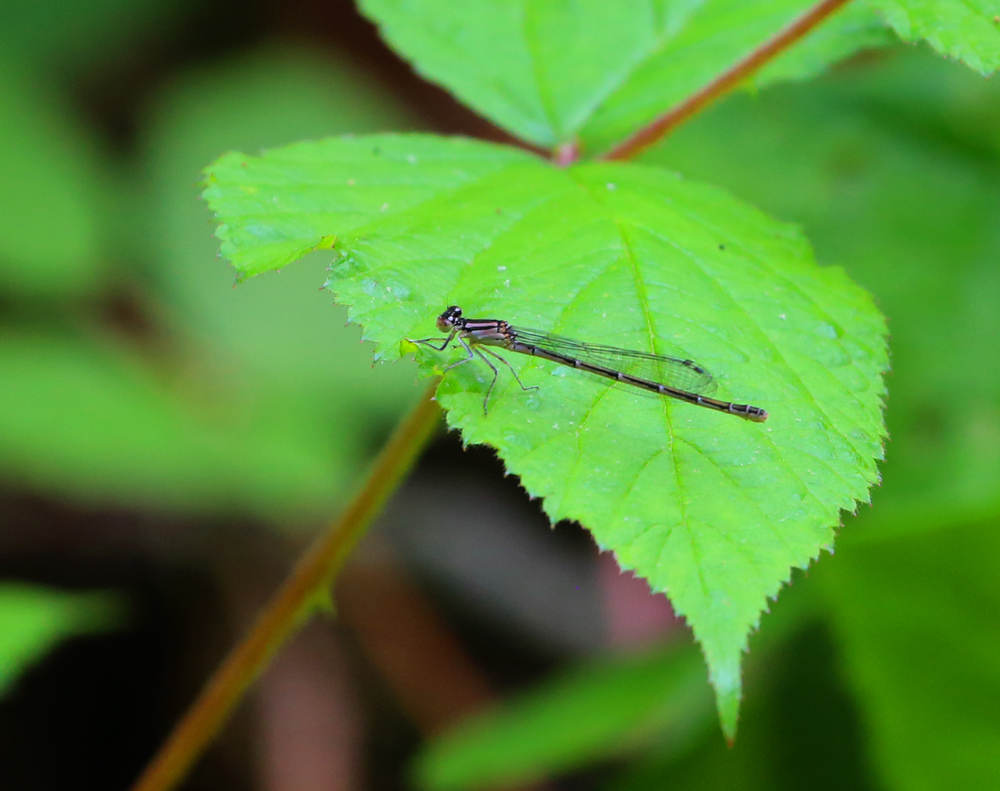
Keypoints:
pixel 670 376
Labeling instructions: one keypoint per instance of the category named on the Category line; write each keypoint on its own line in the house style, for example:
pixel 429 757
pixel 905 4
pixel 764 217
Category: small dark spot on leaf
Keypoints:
pixel 722 247
pixel 499 211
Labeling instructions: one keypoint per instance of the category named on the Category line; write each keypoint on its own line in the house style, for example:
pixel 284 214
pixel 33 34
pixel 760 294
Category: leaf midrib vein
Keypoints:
pixel 692 257
pixel 739 307
pixel 832 426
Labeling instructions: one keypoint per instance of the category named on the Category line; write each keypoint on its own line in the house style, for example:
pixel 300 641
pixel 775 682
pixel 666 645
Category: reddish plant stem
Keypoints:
pixel 654 132
pixel 295 601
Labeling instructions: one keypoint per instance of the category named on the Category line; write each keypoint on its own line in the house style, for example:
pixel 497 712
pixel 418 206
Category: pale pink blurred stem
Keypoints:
pixel 635 616
pixel 308 718
pixel 408 642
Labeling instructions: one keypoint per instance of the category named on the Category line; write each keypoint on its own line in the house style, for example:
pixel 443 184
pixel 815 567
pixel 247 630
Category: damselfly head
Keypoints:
pixel 449 319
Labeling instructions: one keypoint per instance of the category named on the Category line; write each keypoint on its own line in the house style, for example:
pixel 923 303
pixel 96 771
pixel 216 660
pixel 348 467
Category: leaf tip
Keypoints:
pixel 725 677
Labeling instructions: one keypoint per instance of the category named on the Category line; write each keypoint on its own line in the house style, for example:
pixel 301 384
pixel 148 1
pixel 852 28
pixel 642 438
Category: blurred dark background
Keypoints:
pixel 169 444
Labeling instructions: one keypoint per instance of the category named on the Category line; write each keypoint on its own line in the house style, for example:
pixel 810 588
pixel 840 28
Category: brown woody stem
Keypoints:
pixel 294 602
pixel 654 132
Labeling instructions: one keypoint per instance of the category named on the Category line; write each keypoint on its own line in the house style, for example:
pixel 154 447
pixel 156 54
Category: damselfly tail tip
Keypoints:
pixel 756 414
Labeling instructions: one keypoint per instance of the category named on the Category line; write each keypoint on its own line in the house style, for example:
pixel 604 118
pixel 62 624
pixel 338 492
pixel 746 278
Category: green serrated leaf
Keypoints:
pixel 969 31
pixel 593 70
pixel 710 509
pixel 892 169
pixel 371 176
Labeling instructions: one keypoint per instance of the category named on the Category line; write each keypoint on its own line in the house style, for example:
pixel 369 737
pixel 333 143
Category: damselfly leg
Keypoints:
pixel 470 351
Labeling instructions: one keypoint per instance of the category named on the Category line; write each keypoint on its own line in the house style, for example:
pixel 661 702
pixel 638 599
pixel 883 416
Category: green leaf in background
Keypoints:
pixel 711 509
pixel 595 70
pixel 919 622
pixel 34 619
pixel 275 417
pixel 798 729
pixel 54 194
pixel 969 31
pixel 279 336
pixel 599 710
pixel 71 35
pixel 88 420
pixel 654 703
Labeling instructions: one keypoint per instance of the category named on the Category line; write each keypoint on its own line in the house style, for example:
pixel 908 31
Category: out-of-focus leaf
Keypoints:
pixel 53 194
pixel 281 334
pixel 603 710
pixel 84 419
pixel 968 31
pixel 893 189
pixel 596 711
pixel 710 508
pixel 69 33
pixel 799 729
pixel 594 70
pixel 919 622
pixel 34 619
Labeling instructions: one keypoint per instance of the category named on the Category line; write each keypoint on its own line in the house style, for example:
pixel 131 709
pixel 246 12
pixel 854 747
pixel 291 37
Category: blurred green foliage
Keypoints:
pixel 33 619
pixel 42 35
pixel 54 187
pixel 917 621
pixel 263 402
pixel 599 709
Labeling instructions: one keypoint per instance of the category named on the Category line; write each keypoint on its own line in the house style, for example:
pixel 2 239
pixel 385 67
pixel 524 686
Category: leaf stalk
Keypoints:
pixel 660 127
